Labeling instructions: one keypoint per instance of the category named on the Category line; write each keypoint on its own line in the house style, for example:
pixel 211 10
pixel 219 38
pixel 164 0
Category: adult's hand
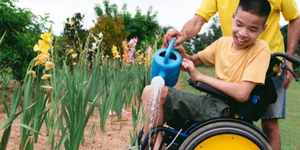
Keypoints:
pixel 171 33
pixel 288 76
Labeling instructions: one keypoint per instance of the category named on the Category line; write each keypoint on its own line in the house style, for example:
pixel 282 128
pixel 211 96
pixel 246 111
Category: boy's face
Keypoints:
pixel 246 28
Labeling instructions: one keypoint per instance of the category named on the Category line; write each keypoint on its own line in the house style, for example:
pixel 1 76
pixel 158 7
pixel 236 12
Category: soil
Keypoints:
pixel 115 137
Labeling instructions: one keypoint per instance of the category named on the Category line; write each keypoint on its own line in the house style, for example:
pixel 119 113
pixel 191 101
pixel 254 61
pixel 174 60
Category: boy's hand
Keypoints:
pixel 189 67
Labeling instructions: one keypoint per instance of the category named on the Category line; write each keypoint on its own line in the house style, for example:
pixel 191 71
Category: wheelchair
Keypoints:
pixel 233 133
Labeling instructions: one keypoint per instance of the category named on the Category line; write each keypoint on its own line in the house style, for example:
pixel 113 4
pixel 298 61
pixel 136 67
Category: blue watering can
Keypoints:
pixel 166 62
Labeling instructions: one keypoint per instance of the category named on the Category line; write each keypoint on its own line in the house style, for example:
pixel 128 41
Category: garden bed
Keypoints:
pixel 115 137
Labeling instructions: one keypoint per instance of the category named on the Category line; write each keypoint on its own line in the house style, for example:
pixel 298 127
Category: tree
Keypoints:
pixel 113 32
pixel 72 42
pixel 143 26
pixel 110 24
pixel 22 31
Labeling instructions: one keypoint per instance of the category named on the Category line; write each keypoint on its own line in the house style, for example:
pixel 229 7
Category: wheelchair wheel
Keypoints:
pixel 227 134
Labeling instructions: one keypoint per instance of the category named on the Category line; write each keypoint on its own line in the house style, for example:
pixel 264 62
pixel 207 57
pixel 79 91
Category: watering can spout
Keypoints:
pixel 169 50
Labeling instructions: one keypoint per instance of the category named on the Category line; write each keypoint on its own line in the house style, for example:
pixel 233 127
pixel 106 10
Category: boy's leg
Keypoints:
pixel 181 107
pixel 176 107
pixel 274 112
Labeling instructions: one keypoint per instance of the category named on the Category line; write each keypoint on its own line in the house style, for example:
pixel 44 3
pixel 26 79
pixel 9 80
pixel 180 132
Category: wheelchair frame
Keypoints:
pixel 192 136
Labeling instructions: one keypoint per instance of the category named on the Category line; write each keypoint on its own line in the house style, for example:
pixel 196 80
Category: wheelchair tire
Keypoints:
pixel 226 134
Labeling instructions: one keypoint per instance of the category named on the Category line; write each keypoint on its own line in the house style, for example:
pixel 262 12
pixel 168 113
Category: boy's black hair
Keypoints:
pixel 258 7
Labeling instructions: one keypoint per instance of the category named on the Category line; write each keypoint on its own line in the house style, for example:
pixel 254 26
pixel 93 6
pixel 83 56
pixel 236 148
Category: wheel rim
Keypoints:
pixel 227 142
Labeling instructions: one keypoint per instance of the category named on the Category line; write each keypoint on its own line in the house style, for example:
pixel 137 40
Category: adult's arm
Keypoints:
pixel 292 43
pixel 293 35
pixel 191 28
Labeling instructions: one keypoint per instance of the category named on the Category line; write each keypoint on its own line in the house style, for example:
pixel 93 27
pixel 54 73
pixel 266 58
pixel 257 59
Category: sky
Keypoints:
pixel 170 12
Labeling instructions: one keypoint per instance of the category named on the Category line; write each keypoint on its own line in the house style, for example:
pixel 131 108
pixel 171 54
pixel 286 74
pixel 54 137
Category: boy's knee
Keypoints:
pixel 148 94
pixel 164 94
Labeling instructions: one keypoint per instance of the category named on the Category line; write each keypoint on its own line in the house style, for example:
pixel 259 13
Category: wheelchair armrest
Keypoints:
pixel 209 89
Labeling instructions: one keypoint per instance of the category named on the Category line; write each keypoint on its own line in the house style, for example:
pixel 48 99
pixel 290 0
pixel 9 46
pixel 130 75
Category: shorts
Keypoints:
pixel 181 107
pixel 277 109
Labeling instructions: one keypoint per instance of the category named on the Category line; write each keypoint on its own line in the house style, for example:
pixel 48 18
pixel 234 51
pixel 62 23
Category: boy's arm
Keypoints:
pixel 239 91
pixel 194 58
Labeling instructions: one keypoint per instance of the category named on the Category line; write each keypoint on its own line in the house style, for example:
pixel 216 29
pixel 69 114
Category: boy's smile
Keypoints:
pixel 246 28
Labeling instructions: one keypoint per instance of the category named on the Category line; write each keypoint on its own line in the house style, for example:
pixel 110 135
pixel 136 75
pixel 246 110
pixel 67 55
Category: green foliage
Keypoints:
pixel 117 26
pixel 72 41
pixel 2 37
pixel 113 32
pixel 22 32
pixel 143 26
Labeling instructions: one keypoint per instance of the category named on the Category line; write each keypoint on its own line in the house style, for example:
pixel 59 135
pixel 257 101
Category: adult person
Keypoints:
pixel 272 34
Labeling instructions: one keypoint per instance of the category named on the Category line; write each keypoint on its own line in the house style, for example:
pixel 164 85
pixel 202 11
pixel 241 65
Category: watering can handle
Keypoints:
pixel 169 49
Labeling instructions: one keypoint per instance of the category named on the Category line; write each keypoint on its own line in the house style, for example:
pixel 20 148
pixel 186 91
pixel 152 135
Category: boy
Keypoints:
pixel 240 61
pixel 225 9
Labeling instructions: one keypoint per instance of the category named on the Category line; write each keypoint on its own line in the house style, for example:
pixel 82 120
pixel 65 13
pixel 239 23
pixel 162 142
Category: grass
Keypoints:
pixel 290 126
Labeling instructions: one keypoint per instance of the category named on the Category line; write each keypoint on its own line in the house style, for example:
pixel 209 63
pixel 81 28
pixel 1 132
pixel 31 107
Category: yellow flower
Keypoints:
pixel 46 76
pixel 49 65
pixel 32 73
pixel 115 53
pixel 70 51
pixel 41 59
pixel 74 55
pixel 36 48
pixel 47 37
pixel 42 46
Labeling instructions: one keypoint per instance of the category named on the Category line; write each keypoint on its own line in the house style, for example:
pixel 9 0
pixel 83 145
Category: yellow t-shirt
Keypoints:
pixel 233 65
pixel 272 34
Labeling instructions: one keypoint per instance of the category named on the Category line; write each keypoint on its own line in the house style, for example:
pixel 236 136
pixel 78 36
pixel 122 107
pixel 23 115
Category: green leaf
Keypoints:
pixel 2 37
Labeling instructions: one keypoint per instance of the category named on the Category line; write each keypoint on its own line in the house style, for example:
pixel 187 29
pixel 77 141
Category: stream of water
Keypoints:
pixel 157 83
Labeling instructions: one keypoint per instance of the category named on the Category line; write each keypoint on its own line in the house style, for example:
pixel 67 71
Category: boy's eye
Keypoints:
pixel 239 24
pixel 253 29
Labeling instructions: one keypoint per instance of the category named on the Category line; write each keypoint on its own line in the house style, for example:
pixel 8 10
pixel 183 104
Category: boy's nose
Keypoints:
pixel 243 33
